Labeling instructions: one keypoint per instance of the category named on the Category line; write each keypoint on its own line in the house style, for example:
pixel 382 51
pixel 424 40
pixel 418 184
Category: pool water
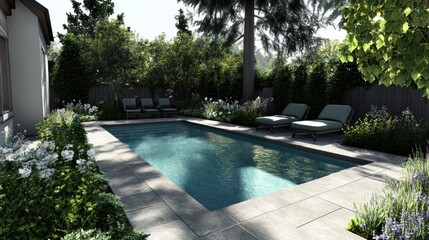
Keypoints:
pixel 220 168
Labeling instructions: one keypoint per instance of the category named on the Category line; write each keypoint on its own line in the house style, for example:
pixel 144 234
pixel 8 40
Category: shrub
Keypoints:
pixel 402 210
pixel 85 112
pixel 92 234
pixel 63 128
pixel 45 194
pixel 109 111
pixel 55 188
pixel 232 112
pixel 393 134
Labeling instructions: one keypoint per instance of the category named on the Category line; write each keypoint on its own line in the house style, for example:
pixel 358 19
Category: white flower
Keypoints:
pixel 80 162
pixel 220 113
pixel 92 153
pixel 46 173
pixel 205 99
pixel 24 172
pixel 40 165
pixel 67 154
pixel 46 145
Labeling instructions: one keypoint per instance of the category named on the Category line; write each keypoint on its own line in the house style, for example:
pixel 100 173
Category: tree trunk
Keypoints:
pixel 248 51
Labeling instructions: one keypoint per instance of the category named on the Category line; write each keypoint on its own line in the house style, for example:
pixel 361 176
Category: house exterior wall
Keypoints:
pixel 6 118
pixel 27 68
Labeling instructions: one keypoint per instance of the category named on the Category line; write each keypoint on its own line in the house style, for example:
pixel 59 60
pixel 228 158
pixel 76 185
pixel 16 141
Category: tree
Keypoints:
pixel 86 16
pixel 182 23
pixel 390 41
pixel 282 25
pixel 113 49
pixel 71 81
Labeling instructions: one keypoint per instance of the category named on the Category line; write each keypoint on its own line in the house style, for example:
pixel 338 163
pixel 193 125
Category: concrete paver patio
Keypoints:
pixel 318 209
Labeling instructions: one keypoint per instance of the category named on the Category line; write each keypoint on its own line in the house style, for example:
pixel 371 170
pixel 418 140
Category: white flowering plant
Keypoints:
pixel 84 111
pixel 229 110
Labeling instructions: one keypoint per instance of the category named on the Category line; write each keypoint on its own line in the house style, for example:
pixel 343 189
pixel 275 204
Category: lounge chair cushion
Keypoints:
pixel 130 107
pixel 132 110
pixel 317 125
pixel 295 109
pixel 168 109
pixel 150 110
pixel 276 120
pixel 333 112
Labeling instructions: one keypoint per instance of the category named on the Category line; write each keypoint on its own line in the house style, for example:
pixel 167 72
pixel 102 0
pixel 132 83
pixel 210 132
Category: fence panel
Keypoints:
pixel 396 99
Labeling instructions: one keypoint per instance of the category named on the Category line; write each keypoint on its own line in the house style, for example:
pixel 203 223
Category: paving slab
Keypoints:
pixel 331 226
pixel 358 191
pixel 146 218
pixel 140 201
pixel 272 227
pixel 306 211
pixel 232 233
pixel 176 230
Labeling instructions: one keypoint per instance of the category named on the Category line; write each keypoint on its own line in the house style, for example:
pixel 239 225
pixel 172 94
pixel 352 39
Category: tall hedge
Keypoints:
pixel 298 93
pixel 281 76
pixel 317 89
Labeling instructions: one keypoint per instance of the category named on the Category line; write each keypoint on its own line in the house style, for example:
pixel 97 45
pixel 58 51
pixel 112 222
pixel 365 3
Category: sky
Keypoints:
pixel 148 18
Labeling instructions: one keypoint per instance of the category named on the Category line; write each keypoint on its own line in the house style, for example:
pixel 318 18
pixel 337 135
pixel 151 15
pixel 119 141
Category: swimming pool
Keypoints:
pixel 220 168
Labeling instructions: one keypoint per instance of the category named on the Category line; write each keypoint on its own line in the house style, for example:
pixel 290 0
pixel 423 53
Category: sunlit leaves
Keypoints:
pixel 389 40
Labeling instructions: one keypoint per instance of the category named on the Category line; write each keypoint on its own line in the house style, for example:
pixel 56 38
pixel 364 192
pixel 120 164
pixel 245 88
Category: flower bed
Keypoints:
pixel 55 188
pixel 402 210
pixel 380 130
pixel 231 111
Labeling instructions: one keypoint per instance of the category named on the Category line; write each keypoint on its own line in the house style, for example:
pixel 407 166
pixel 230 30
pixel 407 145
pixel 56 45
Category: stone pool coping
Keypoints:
pixel 319 209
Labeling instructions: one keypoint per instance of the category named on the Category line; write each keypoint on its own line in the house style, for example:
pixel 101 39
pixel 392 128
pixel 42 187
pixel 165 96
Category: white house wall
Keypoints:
pixel 25 44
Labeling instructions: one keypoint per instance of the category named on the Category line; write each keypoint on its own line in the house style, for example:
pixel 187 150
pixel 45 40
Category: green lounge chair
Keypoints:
pixel 292 112
pixel 166 108
pixel 331 119
pixel 130 107
pixel 148 108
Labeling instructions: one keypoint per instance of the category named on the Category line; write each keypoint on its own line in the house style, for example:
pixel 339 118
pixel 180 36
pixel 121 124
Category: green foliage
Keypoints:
pixel 389 41
pixel 109 111
pixel 393 134
pixel 401 211
pixel 46 194
pixel 86 16
pixel 92 234
pixel 317 89
pixel 55 188
pixel 281 76
pixel 182 23
pixel 72 77
pixel 62 127
pixel 232 112
pixel 298 91
pixel 345 77
pixel 113 55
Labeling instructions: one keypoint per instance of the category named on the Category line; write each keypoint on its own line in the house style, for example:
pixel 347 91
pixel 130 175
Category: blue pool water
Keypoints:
pixel 219 168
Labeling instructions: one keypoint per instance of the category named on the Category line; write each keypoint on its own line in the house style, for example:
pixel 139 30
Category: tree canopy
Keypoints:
pixel 281 25
pixel 390 41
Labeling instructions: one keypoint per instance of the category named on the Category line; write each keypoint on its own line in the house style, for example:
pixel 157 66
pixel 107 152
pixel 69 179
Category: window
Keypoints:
pixel 5 99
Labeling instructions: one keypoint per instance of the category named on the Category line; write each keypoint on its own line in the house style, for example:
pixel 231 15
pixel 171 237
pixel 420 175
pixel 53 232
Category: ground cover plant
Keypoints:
pixel 381 131
pixel 401 211
pixel 55 188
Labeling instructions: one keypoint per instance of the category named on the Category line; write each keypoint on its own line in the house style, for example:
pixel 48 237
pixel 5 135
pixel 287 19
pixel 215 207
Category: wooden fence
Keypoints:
pixel 396 99
pixel 104 93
